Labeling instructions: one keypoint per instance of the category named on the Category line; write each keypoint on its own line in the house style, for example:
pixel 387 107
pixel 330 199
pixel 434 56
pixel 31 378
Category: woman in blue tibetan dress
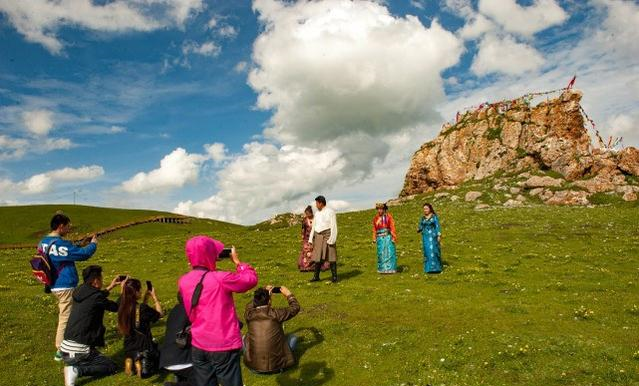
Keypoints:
pixel 385 237
pixel 431 238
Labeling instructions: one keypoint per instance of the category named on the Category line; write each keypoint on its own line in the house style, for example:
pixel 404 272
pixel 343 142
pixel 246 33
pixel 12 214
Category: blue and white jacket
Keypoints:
pixel 63 255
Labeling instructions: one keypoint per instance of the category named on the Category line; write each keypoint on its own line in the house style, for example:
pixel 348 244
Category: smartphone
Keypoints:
pixel 149 286
pixel 121 277
pixel 226 252
pixel 276 290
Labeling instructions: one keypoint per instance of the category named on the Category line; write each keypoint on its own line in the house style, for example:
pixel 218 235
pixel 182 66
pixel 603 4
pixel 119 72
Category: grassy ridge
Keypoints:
pixel 530 296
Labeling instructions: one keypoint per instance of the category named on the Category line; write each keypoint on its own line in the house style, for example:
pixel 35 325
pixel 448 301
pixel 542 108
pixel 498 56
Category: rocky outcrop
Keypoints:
pixel 547 137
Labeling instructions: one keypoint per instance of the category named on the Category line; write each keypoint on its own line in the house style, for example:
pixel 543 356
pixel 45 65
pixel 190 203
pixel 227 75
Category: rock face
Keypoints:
pixel 548 137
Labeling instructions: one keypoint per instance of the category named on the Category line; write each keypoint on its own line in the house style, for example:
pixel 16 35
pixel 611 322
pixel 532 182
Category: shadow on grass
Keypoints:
pixel 348 275
pixel 311 374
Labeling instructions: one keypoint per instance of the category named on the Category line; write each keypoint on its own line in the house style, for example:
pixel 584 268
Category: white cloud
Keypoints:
pixel 619 32
pixel 505 55
pixel 213 21
pixel 39 20
pixel 12 148
pixel 462 8
pixel 265 177
pixel 341 78
pixel 228 31
pixel 476 26
pixel 525 21
pixel 209 48
pixel 51 144
pixel 216 151
pixel 241 67
pixel 351 68
pixel 176 170
pixel 48 181
pixel 38 122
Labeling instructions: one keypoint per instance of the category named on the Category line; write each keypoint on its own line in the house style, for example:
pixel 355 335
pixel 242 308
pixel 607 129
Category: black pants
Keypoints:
pixel 213 368
pixel 91 364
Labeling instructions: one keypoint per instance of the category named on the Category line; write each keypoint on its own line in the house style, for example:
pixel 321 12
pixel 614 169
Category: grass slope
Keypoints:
pixel 512 307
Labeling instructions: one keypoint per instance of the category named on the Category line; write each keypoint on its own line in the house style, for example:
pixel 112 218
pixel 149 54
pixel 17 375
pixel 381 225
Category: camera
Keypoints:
pixel 276 290
pixel 226 252
pixel 121 277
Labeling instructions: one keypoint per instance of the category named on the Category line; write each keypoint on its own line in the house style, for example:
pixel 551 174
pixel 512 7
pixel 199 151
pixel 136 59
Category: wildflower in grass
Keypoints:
pixel 583 313
pixel 634 309
pixel 636 355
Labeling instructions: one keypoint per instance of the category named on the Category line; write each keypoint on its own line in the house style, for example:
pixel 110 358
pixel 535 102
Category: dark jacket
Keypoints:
pixel 85 322
pixel 265 348
pixel 170 354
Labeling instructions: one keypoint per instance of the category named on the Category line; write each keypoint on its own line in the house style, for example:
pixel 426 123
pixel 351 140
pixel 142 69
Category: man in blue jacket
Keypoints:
pixel 63 255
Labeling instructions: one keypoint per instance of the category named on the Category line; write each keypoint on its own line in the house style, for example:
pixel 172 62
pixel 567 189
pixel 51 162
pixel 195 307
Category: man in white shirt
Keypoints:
pixel 323 236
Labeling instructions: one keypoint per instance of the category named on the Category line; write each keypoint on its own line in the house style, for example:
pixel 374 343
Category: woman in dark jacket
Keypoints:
pixel 134 322
pixel 173 358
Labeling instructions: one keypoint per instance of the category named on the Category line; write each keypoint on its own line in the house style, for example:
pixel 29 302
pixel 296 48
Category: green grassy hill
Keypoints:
pixel 512 306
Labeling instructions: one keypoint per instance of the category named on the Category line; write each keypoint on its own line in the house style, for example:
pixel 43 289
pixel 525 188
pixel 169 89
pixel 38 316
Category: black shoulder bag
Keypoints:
pixel 183 337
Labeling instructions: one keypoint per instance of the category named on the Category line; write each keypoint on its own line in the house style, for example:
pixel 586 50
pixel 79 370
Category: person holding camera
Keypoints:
pixel 207 295
pixel 63 255
pixel 85 329
pixel 266 348
pixel 134 322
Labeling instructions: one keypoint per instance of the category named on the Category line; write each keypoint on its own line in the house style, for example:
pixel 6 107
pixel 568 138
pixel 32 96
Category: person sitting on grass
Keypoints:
pixel 134 322
pixel 266 348
pixel 174 358
pixel 85 329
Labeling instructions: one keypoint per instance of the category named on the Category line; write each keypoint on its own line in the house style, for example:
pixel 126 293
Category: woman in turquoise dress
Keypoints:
pixel 385 237
pixel 431 239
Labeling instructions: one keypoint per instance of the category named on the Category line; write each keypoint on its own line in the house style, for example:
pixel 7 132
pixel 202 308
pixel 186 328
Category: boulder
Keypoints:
pixel 568 197
pixel 520 198
pixel 512 203
pixel 442 194
pixel 596 185
pixel 628 161
pixel 514 190
pixel 482 206
pixel 542 182
pixel 630 196
pixel 536 191
pixel 472 196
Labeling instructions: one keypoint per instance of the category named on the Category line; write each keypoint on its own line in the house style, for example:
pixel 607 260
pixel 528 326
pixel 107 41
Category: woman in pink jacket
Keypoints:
pixel 215 330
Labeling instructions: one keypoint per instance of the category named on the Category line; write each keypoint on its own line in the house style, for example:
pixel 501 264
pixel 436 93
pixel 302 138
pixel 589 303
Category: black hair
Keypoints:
pixel 308 209
pixel 321 199
pixel 261 297
pixel 430 207
pixel 59 219
pixel 91 272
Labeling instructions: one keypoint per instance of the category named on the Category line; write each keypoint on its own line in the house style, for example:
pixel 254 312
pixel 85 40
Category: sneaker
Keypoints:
pixel 58 356
pixel 70 375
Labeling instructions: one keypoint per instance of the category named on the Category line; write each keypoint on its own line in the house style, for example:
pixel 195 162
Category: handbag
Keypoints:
pixel 183 337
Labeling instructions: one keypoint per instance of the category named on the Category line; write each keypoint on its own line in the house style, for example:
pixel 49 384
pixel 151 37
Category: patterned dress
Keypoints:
pixel 430 230
pixel 385 236
pixel 304 262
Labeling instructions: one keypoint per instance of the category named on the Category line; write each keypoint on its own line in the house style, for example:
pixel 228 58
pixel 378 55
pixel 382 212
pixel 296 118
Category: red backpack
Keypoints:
pixel 42 267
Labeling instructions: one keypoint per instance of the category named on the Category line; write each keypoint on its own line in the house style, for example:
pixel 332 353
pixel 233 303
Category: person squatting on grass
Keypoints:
pixel 174 358
pixel 85 328
pixel 215 330
pixel 134 322
pixel 63 255
pixel 266 348
pixel 322 237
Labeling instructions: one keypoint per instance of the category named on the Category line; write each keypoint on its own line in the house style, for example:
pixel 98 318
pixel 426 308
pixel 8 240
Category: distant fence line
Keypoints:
pixel 83 240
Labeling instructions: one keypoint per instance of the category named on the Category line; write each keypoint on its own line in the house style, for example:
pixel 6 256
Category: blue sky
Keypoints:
pixel 240 110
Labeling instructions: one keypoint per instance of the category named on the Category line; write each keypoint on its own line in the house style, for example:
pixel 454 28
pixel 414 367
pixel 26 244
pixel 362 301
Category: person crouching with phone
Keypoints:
pixel 134 322
pixel 266 348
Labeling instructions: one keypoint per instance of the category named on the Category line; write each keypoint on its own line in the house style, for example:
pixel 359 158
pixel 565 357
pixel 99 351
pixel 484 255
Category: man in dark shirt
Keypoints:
pixel 85 329
pixel 266 348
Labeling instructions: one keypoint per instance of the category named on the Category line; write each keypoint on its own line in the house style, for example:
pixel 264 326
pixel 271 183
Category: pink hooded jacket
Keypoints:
pixel 215 326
